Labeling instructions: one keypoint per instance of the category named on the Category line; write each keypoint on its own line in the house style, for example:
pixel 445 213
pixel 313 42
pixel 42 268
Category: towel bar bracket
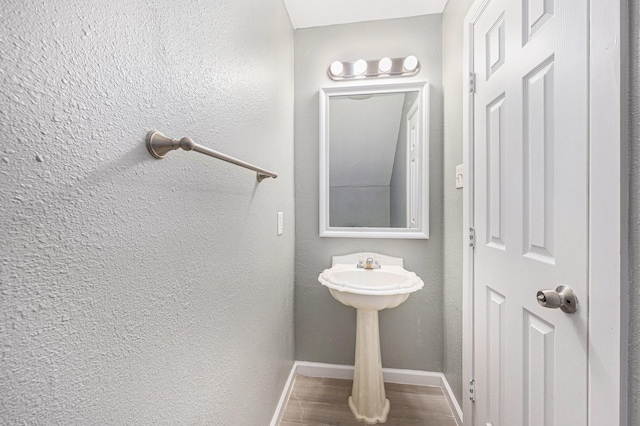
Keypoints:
pixel 159 146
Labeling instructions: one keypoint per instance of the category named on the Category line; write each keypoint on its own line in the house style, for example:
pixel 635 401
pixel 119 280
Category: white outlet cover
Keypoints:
pixel 459 176
pixel 280 223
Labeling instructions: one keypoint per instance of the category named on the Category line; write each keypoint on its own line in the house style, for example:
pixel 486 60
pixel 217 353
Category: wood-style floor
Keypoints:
pixel 317 401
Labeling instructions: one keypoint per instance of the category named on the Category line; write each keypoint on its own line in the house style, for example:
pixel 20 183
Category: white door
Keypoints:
pixel 530 154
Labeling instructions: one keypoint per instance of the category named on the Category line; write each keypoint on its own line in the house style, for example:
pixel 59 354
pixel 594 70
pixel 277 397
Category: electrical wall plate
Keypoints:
pixel 459 176
pixel 280 223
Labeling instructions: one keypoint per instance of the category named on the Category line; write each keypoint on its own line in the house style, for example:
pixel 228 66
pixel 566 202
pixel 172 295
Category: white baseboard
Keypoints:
pixel 453 402
pixel 391 375
pixel 284 397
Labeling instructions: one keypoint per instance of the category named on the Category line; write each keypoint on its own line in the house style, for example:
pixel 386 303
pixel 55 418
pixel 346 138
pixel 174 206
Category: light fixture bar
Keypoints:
pixel 385 67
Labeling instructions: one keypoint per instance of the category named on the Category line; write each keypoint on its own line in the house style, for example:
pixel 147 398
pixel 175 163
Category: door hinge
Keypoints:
pixel 472 82
pixel 472 237
pixel 472 390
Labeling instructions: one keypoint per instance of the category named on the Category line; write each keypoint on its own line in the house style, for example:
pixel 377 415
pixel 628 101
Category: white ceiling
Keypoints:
pixel 318 13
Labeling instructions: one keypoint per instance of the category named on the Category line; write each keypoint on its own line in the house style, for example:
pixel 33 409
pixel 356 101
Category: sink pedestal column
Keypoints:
pixel 368 401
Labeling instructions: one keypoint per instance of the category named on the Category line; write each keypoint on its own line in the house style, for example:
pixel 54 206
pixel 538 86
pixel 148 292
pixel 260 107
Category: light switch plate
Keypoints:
pixel 459 176
pixel 280 223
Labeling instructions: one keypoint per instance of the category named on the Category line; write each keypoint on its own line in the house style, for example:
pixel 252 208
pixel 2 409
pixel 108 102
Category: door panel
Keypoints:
pixel 539 352
pixel 539 176
pixel 495 173
pixel 536 14
pixel 530 196
pixel 495 359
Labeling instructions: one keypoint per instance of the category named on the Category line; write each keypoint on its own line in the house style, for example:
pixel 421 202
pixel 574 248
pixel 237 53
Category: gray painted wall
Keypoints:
pixel 452 45
pixel 359 206
pixel 411 335
pixel 134 290
pixel 634 213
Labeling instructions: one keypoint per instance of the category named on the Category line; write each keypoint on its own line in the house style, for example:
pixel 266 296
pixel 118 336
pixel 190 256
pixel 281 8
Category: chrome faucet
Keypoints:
pixel 370 263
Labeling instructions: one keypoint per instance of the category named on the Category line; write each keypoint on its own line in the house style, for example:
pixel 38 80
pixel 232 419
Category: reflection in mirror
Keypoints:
pixel 367 150
pixel 373 161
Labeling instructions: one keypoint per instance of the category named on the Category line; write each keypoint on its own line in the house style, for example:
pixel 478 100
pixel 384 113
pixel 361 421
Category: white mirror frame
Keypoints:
pixel 422 231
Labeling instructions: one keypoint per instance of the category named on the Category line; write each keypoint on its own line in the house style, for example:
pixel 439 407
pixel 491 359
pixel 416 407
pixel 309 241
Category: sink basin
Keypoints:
pixel 369 290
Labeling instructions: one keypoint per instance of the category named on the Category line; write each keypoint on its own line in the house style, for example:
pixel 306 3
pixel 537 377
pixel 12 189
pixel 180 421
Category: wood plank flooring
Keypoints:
pixel 317 401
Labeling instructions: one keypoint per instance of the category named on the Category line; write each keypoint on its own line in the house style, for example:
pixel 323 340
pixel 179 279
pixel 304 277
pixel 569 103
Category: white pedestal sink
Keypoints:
pixel 369 290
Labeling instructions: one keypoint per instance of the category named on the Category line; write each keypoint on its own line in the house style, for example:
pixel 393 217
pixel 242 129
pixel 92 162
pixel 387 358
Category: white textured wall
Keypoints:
pixel 411 334
pixel 134 290
pixel 453 240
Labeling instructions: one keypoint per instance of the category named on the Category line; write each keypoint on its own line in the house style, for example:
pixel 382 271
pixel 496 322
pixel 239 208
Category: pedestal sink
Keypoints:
pixel 369 291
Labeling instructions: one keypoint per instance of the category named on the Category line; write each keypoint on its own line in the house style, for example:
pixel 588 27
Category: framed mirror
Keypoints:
pixel 374 161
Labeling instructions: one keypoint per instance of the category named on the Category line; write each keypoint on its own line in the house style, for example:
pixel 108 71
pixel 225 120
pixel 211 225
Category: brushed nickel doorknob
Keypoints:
pixel 562 297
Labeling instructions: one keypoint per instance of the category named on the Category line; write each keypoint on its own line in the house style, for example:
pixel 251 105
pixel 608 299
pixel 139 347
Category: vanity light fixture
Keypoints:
pixel 360 67
pixel 385 67
pixel 410 63
pixel 336 68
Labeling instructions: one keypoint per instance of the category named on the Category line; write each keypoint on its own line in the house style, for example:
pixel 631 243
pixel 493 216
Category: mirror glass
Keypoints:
pixel 373 161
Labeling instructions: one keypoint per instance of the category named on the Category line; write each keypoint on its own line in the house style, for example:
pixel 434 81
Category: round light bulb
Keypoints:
pixel 410 63
pixel 360 67
pixel 384 65
pixel 336 68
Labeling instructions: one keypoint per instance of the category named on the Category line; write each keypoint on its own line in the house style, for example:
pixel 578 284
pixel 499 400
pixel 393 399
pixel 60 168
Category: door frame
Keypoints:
pixel 607 401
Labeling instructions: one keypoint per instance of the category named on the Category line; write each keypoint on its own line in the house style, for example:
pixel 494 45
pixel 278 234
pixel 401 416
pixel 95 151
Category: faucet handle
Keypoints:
pixel 360 262
pixel 368 264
